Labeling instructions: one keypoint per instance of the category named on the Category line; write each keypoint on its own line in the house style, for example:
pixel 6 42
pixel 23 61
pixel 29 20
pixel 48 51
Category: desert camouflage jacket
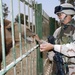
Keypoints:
pixel 65 39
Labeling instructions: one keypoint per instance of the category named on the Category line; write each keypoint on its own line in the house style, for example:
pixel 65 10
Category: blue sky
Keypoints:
pixel 47 6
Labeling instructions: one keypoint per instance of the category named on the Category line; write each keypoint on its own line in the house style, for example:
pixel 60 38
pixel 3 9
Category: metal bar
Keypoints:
pixel 38 17
pixel 30 63
pixel 18 60
pixel 2 37
pixel 25 24
pixel 26 68
pixel 13 38
pixel 36 20
pixel 29 27
pixel 34 53
pixel 31 44
pixel 28 15
pixel 27 3
pixel 32 20
pixel 20 38
pixel 52 25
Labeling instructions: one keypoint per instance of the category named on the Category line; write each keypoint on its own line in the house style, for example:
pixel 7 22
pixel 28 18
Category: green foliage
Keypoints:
pixel 5 10
pixel 68 1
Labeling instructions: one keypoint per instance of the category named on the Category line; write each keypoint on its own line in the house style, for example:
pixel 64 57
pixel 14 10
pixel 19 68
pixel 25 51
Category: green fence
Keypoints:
pixel 24 56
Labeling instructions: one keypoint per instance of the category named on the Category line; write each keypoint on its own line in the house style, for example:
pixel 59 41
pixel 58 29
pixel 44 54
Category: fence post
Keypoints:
pixel 52 25
pixel 38 21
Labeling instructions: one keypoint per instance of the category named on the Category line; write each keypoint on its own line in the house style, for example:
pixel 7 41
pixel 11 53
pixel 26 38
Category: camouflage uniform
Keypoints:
pixel 65 36
pixel 64 39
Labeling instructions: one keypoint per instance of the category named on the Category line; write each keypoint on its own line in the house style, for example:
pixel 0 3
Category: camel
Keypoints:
pixel 8 37
pixel 8 44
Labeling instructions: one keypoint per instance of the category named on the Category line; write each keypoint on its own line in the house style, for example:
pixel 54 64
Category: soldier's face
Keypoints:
pixel 61 16
pixel 64 18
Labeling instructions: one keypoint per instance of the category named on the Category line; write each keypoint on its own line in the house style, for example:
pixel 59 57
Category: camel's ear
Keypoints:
pixel 8 26
pixel 6 22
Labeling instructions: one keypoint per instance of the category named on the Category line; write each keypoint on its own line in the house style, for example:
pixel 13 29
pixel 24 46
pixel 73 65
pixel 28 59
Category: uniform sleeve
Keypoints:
pixel 57 31
pixel 66 49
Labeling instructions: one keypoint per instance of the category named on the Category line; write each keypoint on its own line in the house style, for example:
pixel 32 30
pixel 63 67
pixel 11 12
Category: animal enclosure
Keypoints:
pixel 19 53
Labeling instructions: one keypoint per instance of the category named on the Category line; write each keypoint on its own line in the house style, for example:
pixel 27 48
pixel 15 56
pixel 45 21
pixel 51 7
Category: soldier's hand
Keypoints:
pixel 46 47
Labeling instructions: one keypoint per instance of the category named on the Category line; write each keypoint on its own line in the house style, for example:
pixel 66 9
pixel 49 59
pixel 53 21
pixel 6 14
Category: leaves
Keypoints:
pixel 68 1
pixel 5 10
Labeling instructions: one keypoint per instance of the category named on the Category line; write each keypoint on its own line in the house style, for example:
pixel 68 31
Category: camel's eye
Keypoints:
pixel 9 29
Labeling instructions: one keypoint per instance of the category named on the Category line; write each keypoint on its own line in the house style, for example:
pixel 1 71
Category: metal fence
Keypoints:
pixel 21 58
pixel 24 57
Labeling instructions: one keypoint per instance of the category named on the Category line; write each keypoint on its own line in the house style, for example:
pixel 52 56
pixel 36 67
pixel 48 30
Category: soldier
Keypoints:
pixel 65 34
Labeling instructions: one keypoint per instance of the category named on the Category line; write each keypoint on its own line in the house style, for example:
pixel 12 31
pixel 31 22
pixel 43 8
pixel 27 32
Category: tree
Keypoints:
pixel 62 1
pixel 68 1
pixel 21 18
pixel 5 10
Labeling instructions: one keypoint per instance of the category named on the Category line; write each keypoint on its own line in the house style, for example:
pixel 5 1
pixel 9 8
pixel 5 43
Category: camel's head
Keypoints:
pixel 25 32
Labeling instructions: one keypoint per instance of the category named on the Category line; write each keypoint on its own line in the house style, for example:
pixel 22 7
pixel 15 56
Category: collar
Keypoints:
pixel 72 22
